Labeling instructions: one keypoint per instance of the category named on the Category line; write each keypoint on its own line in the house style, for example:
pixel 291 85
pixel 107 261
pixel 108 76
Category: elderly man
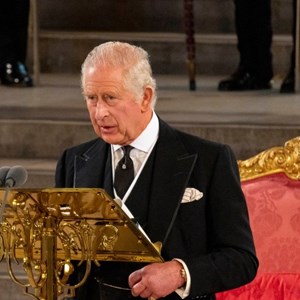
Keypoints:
pixel 185 191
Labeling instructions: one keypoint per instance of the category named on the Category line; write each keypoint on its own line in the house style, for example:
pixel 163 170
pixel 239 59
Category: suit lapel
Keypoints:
pixel 93 168
pixel 172 170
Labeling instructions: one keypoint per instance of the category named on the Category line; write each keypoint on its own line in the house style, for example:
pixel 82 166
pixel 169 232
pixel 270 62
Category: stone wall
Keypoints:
pixel 211 16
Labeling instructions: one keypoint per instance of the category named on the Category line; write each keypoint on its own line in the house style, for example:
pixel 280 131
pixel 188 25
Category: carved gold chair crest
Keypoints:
pixel 284 159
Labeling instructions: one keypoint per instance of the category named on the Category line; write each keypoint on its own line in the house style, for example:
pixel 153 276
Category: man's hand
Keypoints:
pixel 156 280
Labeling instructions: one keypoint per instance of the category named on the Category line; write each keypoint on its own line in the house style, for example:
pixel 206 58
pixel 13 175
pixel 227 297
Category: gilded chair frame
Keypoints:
pixel 285 159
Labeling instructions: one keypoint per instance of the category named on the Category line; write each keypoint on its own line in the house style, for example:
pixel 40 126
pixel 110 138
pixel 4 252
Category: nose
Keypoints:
pixel 101 110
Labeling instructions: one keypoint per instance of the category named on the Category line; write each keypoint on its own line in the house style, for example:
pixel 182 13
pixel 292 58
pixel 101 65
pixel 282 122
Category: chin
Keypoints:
pixel 109 140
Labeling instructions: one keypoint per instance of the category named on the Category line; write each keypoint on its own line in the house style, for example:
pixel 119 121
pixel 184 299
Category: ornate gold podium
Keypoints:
pixel 46 229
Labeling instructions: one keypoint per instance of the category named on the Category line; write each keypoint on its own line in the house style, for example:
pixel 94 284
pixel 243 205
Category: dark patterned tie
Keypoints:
pixel 124 172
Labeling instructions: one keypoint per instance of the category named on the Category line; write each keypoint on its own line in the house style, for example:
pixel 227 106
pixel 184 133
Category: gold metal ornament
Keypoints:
pixel 284 159
pixel 47 230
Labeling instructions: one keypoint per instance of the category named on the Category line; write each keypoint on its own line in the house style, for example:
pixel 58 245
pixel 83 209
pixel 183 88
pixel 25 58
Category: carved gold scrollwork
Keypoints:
pixel 47 230
pixel 2 249
pixel 274 160
pixel 73 241
pixel 20 234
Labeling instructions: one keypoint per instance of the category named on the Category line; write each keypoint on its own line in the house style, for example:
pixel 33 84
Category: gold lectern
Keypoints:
pixel 47 229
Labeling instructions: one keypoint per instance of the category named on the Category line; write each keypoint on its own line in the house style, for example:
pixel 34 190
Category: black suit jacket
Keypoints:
pixel 211 235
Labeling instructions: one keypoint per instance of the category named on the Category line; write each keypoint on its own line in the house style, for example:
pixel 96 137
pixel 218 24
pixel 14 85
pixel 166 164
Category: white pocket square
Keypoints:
pixel 191 194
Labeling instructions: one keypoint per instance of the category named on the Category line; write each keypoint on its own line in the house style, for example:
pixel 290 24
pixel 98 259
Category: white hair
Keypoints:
pixel 132 59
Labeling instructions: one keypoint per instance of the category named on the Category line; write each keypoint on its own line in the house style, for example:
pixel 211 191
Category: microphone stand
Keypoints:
pixel 7 189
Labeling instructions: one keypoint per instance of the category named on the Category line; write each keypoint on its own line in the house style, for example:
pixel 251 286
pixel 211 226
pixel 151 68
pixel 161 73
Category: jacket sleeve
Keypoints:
pixel 230 260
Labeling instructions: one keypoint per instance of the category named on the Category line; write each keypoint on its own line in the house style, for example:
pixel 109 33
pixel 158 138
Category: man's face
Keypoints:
pixel 117 116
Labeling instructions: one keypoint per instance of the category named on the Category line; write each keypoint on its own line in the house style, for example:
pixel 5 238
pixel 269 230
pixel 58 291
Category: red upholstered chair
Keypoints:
pixel 271 183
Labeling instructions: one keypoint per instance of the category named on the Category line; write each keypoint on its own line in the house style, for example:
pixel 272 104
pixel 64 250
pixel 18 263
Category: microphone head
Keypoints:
pixel 16 176
pixel 3 172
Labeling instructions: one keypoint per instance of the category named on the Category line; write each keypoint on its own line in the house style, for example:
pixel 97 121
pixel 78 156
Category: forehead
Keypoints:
pixel 101 77
pixel 102 73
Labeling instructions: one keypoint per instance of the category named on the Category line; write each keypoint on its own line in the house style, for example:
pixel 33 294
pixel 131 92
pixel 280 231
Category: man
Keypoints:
pixel 253 24
pixel 185 193
pixel 288 84
pixel 14 16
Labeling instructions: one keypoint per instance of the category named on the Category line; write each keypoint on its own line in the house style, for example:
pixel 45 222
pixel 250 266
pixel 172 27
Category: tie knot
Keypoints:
pixel 126 161
pixel 127 149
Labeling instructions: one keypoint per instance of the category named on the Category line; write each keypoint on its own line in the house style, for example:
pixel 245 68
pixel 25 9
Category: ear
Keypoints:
pixel 147 99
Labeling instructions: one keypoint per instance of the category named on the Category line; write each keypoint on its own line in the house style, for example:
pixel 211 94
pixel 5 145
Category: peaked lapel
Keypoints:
pixel 172 170
pixel 93 167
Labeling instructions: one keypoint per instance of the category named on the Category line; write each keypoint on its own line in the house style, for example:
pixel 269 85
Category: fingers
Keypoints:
pixel 138 287
pixel 141 290
pixel 134 278
pixel 156 280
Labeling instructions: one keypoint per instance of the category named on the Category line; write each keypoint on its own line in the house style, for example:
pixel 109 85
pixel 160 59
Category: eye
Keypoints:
pixel 91 98
pixel 107 97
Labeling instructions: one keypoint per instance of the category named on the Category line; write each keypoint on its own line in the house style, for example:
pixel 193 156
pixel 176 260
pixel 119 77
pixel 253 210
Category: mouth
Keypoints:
pixel 107 129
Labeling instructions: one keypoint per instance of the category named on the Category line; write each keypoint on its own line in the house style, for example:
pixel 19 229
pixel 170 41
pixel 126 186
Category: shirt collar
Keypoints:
pixel 147 138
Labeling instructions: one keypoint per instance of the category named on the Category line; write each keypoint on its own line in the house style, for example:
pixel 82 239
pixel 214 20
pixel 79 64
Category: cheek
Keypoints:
pixel 92 116
pixel 131 118
pixel 90 109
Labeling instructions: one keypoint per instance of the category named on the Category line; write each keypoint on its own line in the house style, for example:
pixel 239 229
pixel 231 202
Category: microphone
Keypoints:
pixel 3 172
pixel 12 177
pixel 16 176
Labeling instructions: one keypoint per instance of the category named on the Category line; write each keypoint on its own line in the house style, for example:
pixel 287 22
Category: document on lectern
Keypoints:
pixel 87 224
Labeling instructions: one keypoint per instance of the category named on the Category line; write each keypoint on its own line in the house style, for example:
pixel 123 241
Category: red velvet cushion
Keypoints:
pixel 274 211
pixel 276 286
